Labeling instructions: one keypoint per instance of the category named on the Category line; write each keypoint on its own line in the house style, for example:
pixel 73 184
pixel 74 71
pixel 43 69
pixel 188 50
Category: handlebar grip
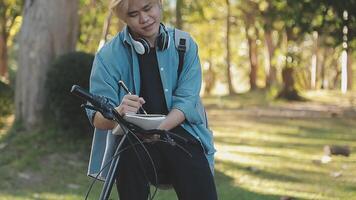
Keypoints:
pixel 80 92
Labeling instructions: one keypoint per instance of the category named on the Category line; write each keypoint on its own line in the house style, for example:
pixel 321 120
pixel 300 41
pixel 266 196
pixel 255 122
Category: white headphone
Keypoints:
pixel 142 46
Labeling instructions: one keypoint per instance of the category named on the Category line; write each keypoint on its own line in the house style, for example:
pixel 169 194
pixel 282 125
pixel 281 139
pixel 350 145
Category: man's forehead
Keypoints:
pixel 138 4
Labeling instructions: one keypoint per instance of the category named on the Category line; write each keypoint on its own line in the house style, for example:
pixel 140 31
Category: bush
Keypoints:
pixel 62 108
pixel 6 99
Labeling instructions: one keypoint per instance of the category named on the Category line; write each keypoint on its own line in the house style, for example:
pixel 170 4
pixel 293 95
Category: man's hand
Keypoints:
pixel 130 104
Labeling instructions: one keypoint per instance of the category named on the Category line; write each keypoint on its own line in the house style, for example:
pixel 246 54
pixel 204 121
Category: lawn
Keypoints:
pixel 266 150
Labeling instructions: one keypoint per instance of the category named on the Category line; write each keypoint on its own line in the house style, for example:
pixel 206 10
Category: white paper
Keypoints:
pixel 146 122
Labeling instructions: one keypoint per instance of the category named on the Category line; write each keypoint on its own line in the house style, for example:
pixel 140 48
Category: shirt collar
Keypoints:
pixel 127 36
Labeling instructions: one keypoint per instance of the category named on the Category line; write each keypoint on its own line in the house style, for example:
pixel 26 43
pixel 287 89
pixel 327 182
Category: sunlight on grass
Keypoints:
pixel 281 156
pixel 36 196
pixel 348 99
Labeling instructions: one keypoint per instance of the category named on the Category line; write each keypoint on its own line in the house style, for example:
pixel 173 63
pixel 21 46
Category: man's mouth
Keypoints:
pixel 148 26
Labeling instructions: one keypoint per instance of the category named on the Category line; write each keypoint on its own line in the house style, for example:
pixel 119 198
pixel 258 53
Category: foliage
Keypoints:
pixel 63 109
pixel 9 10
pixel 93 14
pixel 10 20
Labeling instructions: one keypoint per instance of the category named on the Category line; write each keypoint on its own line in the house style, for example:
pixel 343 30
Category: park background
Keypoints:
pixel 278 85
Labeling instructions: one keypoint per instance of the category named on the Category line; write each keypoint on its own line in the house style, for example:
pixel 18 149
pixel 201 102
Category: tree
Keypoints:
pixel 179 20
pixel 9 10
pixel 202 20
pixel 49 30
pixel 228 50
pixel 97 25
pixel 251 32
pixel 295 24
pixel 269 16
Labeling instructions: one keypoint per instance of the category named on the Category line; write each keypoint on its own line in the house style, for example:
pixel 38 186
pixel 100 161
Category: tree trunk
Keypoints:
pixel 49 30
pixel 336 77
pixel 314 65
pixel 3 55
pixel 271 69
pixel 209 79
pixel 322 70
pixel 3 46
pixel 249 21
pixel 349 69
pixel 288 91
pixel 179 20
pixel 344 71
pixel 252 50
pixel 105 33
pixel 228 50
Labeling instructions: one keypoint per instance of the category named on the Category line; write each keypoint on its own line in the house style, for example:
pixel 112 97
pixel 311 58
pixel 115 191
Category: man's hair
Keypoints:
pixel 120 7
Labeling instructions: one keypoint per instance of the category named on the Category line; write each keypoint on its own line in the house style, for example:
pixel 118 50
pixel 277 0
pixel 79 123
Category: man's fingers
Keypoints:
pixel 133 100
pixel 142 101
pixel 130 103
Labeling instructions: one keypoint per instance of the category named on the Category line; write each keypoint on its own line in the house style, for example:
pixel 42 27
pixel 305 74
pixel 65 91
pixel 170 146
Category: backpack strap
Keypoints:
pixel 181 40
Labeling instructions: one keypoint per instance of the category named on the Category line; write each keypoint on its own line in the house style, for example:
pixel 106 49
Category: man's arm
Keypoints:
pixel 173 119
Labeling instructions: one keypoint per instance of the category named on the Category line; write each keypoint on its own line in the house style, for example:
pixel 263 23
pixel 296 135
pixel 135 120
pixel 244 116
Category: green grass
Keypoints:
pixel 261 155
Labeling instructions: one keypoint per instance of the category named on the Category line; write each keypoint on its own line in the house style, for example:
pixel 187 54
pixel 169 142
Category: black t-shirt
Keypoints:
pixel 151 85
pixel 152 89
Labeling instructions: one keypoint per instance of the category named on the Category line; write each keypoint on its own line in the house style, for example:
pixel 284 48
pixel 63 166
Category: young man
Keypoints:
pixel 144 56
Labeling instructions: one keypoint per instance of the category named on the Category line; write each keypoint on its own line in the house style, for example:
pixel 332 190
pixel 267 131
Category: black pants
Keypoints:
pixel 190 177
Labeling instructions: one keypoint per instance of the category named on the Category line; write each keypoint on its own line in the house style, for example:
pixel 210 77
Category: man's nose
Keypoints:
pixel 143 17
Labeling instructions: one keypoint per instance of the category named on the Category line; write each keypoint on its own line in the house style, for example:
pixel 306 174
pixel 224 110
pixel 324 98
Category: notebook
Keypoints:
pixel 147 122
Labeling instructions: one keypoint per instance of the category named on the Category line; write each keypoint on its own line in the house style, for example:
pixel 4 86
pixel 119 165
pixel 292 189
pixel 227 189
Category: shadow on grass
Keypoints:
pixel 228 189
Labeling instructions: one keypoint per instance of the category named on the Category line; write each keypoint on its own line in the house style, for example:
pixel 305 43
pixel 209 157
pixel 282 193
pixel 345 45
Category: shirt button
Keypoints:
pixel 162 69
pixel 166 90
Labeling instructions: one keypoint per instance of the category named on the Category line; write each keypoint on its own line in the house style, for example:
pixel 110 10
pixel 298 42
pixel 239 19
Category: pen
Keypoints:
pixel 122 84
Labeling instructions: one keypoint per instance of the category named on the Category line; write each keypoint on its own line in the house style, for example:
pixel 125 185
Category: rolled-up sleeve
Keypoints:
pixel 102 83
pixel 186 95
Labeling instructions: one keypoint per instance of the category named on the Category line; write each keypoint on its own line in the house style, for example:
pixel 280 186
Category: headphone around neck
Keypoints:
pixel 142 46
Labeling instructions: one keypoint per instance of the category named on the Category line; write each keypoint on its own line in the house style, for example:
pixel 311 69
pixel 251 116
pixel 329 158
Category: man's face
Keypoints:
pixel 143 18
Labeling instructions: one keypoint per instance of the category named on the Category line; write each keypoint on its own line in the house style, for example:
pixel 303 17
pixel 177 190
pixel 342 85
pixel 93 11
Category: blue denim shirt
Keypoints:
pixel 116 61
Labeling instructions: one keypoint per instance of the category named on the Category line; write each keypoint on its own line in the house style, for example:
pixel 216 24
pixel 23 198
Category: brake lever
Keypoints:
pixel 107 113
pixel 90 107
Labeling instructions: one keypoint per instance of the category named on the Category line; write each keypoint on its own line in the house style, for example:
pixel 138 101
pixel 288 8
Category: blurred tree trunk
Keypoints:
pixel 228 50
pixel 179 20
pixel 105 33
pixel 252 52
pixel 314 64
pixel 336 78
pixel 322 70
pixel 251 33
pixel 289 91
pixel 49 30
pixel 349 69
pixel 209 78
pixel 271 69
pixel 3 41
pixel 3 53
